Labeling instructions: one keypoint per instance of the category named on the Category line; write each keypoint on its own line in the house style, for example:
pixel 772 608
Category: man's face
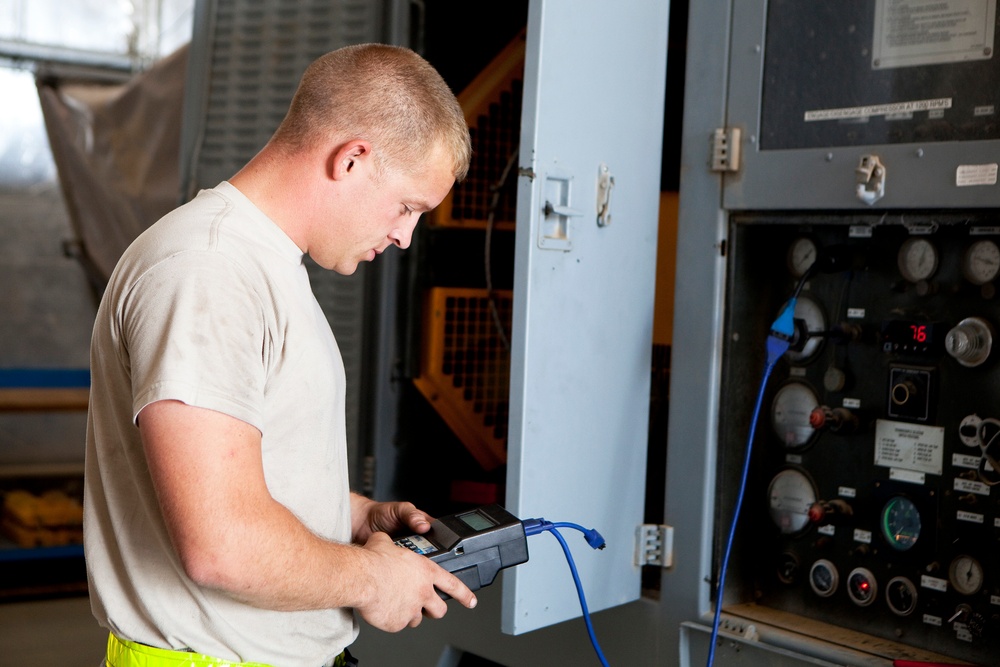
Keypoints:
pixel 382 211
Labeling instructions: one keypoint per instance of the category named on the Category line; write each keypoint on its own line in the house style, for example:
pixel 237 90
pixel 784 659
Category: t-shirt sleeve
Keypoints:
pixel 194 331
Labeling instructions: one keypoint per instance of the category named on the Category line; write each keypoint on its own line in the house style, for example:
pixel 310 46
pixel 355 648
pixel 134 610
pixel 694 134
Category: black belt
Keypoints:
pixel 345 659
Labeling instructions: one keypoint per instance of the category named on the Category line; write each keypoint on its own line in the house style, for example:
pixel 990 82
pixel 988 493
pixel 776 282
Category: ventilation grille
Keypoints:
pixel 252 54
pixel 466 367
pixel 492 106
pixel 258 50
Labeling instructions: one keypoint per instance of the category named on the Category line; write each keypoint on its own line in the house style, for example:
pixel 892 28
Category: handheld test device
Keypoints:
pixel 473 545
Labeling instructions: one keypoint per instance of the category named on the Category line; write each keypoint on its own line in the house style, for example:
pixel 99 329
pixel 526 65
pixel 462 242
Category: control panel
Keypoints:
pixel 873 501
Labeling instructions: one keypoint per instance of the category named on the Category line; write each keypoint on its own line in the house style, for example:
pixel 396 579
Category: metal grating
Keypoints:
pixel 257 53
pixel 492 105
pixel 247 58
pixel 466 367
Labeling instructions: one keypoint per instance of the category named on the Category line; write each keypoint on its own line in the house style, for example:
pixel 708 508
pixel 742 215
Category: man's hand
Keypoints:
pixel 369 517
pixel 402 587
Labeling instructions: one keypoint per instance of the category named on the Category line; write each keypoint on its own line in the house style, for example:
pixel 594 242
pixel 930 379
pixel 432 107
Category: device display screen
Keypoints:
pixel 910 336
pixel 476 521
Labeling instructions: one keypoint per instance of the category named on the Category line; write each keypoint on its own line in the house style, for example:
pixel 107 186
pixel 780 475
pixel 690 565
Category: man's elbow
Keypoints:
pixel 212 567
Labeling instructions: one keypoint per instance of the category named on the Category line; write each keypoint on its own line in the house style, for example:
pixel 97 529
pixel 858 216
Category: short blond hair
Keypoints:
pixel 387 95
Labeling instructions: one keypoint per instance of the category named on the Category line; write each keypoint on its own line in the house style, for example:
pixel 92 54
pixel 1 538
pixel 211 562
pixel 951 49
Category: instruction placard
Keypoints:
pixel 931 32
pixel 909 446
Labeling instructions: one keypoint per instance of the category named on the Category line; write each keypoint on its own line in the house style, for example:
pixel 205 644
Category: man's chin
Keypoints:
pixel 343 268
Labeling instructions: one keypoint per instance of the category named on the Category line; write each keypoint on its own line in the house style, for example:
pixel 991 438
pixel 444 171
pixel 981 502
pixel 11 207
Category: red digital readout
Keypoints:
pixel 919 332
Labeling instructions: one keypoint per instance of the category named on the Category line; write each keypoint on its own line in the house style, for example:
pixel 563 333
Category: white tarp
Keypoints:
pixel 116 148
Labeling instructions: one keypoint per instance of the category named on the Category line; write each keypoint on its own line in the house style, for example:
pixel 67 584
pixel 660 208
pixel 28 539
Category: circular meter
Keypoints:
pixel 966 575
pixel 790 496
pixel 901 523
pixel 917 259
pixel 861 586
pixel 823 578
pixel 981 262
pixel 901 596
pixel 968 430
pixel 801 255
pixel 790 412
pixel 811 315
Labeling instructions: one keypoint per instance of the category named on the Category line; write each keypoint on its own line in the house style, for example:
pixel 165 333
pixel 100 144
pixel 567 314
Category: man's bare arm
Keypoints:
pixel 231 535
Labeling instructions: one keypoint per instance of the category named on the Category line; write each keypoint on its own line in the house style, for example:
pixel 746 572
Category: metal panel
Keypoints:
pixel 583 297
pixel 919 174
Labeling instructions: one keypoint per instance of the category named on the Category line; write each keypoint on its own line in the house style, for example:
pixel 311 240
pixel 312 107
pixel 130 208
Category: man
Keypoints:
pixel 218 517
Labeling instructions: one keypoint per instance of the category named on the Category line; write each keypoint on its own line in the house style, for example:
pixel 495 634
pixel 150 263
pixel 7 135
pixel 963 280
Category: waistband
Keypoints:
pixel 124 653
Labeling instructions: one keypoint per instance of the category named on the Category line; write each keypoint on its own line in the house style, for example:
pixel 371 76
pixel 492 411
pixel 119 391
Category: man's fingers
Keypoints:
pixel 417 520
pixel 453 586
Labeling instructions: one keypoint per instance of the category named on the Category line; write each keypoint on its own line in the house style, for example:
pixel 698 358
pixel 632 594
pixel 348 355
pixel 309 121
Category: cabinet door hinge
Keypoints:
pixel 654 545
pixel 726 149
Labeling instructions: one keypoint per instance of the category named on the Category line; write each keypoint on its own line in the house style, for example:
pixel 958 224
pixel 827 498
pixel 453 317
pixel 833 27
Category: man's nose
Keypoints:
pixel 403 235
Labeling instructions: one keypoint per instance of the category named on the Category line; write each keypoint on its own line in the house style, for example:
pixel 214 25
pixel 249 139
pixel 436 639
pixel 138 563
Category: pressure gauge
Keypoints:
pixel 801 255
pixel 968 430
pixel 901 596
pixel 981 262
pixel 811 315
pixel 917 259
pixel 966 575
pixel 793 404
pixel 788 568
pixel 790 496
pixel 901 523
pixel 823 578
pixel 861 586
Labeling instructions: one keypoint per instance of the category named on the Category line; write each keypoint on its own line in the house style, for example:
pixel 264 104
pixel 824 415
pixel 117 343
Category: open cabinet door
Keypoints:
pixel 588 195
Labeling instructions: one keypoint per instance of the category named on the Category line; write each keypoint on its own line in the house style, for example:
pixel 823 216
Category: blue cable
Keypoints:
pixel 594 539
pixel 778 342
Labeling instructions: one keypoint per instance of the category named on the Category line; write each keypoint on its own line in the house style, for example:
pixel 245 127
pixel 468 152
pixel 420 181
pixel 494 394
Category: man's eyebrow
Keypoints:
pixel 420 203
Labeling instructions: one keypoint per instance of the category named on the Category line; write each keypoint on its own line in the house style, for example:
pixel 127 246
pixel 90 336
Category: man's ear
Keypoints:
pixel 347 157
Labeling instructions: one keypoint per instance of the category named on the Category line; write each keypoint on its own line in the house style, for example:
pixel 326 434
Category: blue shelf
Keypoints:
pixel 37 553
pixel 44 378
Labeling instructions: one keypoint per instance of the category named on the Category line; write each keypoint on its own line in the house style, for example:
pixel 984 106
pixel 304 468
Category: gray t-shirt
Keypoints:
pixel 212 306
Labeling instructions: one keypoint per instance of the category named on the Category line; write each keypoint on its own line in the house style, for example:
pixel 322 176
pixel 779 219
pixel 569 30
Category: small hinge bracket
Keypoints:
pixel 726 149
pixel 654 545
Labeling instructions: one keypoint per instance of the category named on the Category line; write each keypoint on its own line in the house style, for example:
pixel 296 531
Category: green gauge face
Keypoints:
pixel 901 523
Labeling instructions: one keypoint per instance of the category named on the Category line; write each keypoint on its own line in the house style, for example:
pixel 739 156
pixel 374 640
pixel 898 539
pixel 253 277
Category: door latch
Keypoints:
pixel 554 231
pixel 870 179
pixel 605 184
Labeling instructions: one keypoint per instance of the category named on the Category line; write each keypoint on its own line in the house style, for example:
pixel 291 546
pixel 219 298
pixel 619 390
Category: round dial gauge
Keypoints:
pixel 861 586
pixel 989 463
pixel 787 568
pixel 801 255
pixel 823 578
pixel 790 412
pixel 901 596
pixel 917 259
pixel 901 523
pixel 790 496
pixel 981 262
pixel 811 315
pixel 968 430
pixel 966 575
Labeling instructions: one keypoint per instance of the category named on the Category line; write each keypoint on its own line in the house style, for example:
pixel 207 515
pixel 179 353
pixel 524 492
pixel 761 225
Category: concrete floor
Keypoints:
pixel 50 633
